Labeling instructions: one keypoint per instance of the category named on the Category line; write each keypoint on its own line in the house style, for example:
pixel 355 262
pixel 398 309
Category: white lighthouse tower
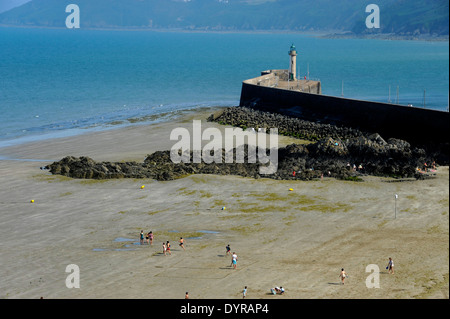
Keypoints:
pixel 293 63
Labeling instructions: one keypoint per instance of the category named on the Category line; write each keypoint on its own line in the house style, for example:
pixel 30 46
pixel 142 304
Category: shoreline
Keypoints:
pixel 116 125
pixel 180 30
pixel 387 37
pixel 315 229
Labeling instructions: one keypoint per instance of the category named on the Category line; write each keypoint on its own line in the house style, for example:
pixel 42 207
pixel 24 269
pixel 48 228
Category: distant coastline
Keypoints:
pixel 323 34
pixel 180 30
pixel 387 36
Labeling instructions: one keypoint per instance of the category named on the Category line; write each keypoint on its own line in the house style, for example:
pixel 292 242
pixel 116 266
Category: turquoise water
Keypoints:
pixel 59 82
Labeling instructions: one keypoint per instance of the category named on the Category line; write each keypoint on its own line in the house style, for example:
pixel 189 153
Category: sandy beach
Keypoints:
pixel 299 239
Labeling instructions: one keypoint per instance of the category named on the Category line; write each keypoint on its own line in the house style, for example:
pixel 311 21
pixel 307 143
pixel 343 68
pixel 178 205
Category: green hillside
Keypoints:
pixel 397 16
pixel 407 17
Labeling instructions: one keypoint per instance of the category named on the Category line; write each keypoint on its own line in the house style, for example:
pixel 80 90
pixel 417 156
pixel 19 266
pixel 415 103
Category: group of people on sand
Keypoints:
pixel 280 290
pixel 166 245
pixel 355 168
pixel 426 168
pixel 277 291
pixel 148 237
pixel 234 258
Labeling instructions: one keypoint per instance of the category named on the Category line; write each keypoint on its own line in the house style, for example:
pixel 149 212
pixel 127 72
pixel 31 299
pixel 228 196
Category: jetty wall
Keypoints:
pixel 413 124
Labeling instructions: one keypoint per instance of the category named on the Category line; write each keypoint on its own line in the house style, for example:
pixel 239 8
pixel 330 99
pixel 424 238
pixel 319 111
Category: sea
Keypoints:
pixel 65 82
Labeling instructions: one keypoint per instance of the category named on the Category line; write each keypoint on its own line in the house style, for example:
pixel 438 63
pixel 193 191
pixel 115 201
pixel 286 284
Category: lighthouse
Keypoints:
pixel 293 62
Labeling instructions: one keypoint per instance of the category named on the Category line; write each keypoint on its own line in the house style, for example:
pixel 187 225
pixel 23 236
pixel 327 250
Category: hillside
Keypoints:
pixel 6 5
pixel 397 16
pixel 405 17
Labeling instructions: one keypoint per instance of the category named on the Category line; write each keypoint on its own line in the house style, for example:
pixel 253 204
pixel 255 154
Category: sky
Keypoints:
pixel 5 5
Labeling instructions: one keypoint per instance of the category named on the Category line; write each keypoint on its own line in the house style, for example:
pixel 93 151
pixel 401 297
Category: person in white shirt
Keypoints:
pixel 234 260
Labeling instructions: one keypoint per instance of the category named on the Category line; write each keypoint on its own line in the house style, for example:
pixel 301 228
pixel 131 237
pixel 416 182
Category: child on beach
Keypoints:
pixel 390 266
pixel 244 292
pixel 168 248
pixel 277 290
pixel 150 237
pixel 164 248
pixel 234 260
pixel 228 248
pixel 141 237
pixel 343 275
pixel 182 243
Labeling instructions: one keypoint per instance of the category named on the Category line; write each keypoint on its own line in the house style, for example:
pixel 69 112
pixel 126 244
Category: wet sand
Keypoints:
pixel 297 239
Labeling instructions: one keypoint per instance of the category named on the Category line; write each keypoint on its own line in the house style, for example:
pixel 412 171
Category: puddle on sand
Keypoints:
pixel 198 231
pixel 122 239
pixel 135 242
pixel 115 249
pixel 204 232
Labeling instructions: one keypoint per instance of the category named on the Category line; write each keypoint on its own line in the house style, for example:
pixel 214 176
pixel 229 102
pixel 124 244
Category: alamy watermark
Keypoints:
pixel 73 19
pixel 73 279
pixel 212 152
pixel 373 280
pixel 373 19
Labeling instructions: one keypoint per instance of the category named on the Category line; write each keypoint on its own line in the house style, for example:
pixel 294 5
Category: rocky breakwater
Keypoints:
pixel 246 117
pixel 328 157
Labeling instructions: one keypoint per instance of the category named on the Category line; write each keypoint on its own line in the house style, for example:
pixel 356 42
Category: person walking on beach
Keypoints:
pixel 234 259
pixel 168 248
pixel 164 248
pixel 244 292
pixel 186 296
pixel 150 237
pixel 182 243
pixel 390 266
pixel 228 248
pixel 343 275
pixel 141 237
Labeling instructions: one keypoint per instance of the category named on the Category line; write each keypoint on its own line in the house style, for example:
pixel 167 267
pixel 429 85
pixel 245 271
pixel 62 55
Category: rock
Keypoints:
pixel 329 155
pixel 245 117
pixel 329 147
pixel 309 162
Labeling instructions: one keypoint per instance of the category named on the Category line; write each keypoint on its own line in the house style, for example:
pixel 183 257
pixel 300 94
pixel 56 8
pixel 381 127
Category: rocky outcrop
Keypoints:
pixel 329 156
pixel 339 152
pixel 245 117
